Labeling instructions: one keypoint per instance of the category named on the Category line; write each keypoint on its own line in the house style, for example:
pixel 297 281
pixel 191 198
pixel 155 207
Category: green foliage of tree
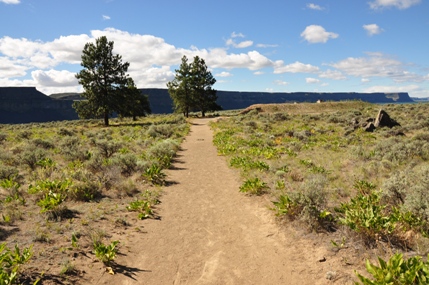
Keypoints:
pixel 204 95
pixel 135 104
pixel 108 89
pixel 192 89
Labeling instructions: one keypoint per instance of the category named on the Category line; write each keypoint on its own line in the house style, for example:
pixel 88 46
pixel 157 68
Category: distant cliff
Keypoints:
pixel 26 104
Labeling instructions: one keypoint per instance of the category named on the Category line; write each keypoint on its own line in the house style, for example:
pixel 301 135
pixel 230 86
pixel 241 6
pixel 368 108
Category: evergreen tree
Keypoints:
pixel 135 104
pixel 204 95
pixel 180 89
pixel 104 80
pixel 192 89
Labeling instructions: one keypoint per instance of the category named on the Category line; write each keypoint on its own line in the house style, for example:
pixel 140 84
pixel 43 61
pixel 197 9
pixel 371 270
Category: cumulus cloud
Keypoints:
pixel 373 29
pixel 314 7
pixel 152 60
pixel 54 78
pixel 317 34
pixel 11 1
pixel 11 69
pixel 296 67
pixel 377 65
pixel 400 4
pixel 105 17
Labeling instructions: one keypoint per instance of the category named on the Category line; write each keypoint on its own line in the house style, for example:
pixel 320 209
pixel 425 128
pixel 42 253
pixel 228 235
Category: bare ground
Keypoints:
pixel 210 233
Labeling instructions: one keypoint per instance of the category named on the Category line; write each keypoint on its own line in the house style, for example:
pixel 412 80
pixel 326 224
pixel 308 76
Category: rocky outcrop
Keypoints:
pixel 382 120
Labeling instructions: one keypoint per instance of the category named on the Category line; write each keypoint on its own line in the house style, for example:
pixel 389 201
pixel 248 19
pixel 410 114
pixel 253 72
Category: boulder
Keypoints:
pixel 383 120
pixel 369 128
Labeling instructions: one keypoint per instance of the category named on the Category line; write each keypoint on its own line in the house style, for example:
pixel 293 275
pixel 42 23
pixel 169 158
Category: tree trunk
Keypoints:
pixel 106 118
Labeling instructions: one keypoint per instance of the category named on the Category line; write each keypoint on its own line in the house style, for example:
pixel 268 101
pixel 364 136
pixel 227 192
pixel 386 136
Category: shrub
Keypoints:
pixel 106 253
pixel 397 271
pixel 143 208
pixel 163 131
pixel 31 156
pixel 85 191
pixel 10 262
pixel 43 143
pixel 107 148
pixel 127 163
pixel 254 186
pixel 163 152
pixel 154 174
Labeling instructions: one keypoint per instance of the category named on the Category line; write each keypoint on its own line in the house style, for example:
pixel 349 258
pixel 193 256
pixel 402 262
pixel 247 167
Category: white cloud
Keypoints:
pixel 105 17
pixel 377 65
pixel 332 74
pixel 54 78
pixel 266 46
pixel 400 4
pixel 392 89
pixel 237 35
pixel 317 34
pixel 10 69
pixel 243 44
pixel 373 29
pixel 281 82
pixel 310 80
pixel 253 60
pixel 223 74
pixel 314 7
pixel 258 72
pixel 10 1
pixel 296 67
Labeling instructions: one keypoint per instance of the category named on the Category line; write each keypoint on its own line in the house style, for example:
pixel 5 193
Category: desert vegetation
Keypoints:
pixel 365 191
pixel 72 192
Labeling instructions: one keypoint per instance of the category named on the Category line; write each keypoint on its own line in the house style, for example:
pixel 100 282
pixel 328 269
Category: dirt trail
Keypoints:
pixel 210 233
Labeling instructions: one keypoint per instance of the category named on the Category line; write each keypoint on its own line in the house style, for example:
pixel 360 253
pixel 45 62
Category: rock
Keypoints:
pixel 383 120
pixel 369 128
pixel 322 259
pixel 331 275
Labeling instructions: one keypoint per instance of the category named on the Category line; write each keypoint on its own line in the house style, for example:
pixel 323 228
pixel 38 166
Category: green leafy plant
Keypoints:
pixel 254 186
pixel 397 271
pixel 10 261
pixel 154 174
pixel 143 208
pixel 51 205
pixel 106 253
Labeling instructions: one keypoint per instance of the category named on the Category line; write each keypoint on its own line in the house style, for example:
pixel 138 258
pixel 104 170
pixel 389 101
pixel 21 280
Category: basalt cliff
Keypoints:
pixel 27 104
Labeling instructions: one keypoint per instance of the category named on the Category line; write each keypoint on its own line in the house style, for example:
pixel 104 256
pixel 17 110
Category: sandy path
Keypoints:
pixel 210 233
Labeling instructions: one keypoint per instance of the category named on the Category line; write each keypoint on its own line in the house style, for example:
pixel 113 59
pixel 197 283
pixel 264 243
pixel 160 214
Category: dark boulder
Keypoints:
pixel 383 120
pixel 369 128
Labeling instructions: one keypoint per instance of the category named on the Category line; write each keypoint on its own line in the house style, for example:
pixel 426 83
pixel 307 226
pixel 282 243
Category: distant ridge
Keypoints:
pixel 26 104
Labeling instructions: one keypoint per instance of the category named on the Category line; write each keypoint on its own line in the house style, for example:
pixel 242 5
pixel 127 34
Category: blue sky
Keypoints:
pixel 274 46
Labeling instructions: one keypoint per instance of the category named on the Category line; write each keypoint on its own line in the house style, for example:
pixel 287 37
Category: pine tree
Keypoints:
pixel 192 89
pixel 104 80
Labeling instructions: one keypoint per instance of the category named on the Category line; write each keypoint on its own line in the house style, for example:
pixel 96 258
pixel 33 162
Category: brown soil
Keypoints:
pixel 209 233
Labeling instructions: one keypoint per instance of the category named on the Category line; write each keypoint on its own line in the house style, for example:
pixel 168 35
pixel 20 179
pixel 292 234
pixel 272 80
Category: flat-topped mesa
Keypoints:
pixel 22 93
pixel 26 104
